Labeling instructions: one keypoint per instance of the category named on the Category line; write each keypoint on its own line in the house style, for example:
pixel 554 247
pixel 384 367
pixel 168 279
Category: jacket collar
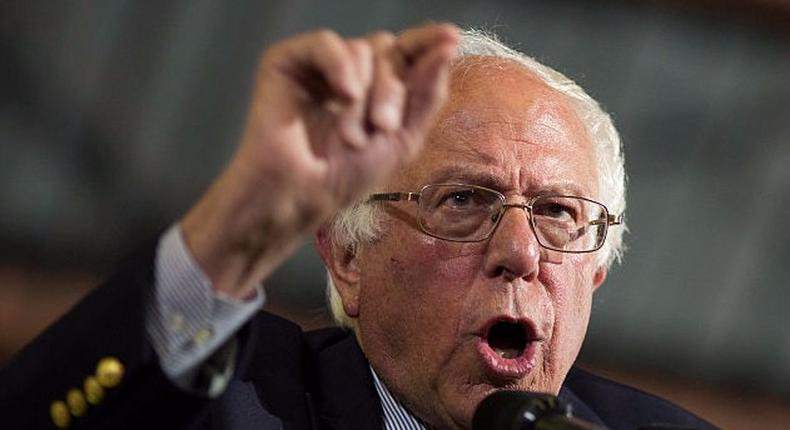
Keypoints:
pixel 345 396
pixel 315 380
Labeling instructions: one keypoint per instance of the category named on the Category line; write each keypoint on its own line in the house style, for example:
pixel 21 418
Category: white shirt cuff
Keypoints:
pixel 188 322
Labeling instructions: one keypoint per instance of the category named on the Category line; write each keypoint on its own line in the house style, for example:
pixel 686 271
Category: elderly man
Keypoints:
pixel 459 270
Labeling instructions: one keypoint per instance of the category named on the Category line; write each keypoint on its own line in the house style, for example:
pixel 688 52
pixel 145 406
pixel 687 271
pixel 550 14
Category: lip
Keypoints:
pixel 502 368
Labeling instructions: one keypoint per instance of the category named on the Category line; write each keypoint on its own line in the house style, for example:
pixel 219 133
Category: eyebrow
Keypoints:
pixel 459 174
pixel 463 174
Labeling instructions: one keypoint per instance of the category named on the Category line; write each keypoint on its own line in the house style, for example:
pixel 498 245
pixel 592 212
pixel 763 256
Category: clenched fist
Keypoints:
pixel 330 117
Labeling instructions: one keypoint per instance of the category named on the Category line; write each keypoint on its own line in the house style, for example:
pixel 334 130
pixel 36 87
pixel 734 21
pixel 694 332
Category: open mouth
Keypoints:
pixel 508 339
pixel 508 348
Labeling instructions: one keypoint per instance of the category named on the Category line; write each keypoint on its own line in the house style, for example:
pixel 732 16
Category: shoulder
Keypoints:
pixel 280 348
pixel 621 406
pixel 287 335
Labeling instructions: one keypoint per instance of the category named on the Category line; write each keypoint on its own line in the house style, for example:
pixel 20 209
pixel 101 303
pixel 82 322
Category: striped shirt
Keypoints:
pixel 396 416
pixel 191 327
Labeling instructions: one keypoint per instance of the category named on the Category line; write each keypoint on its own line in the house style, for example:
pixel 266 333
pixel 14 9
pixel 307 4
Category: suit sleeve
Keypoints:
pixel 98 366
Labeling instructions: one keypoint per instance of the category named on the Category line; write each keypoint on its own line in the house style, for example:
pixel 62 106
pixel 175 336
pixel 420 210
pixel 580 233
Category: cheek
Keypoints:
pixel 570 288
pixel 428 274
pixel 413 304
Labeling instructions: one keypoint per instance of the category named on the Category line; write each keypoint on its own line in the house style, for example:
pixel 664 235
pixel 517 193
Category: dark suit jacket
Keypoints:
pixel 285 378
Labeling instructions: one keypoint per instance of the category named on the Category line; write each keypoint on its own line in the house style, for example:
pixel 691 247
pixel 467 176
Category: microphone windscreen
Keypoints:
pixel 512 410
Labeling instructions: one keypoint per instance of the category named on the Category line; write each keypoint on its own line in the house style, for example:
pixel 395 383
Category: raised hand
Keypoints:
pixel 330 118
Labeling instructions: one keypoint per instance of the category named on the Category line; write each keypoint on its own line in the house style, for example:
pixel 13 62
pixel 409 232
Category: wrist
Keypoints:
pixel 242 229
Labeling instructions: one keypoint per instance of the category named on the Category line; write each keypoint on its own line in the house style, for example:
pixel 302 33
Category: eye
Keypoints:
pixel 459 199
pixel 559 210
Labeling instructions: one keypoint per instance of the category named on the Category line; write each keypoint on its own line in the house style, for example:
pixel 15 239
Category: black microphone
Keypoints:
pixel 522 410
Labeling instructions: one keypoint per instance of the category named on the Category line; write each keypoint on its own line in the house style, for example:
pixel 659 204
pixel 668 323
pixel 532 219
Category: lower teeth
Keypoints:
pixel 510 353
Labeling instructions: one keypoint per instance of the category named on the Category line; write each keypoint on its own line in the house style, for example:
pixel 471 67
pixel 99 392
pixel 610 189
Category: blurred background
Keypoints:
pixel 115 115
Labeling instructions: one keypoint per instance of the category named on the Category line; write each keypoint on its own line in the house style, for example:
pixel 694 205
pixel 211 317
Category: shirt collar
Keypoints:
pixel 396 416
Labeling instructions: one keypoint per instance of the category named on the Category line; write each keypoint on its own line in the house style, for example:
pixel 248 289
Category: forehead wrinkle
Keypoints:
pixel 469 174
pixel 467 149
pixel 465 131
pixel 468 138
pixel 457 130
pixel 465 123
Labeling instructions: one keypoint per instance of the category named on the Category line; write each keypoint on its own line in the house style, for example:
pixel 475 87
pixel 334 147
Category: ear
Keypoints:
pixel 599 277
pixel 342 265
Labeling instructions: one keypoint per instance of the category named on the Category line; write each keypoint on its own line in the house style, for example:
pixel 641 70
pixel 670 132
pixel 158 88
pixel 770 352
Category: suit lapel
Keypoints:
pixel 345 396
pixel 579 408
pixel 315 380
pixel 276 368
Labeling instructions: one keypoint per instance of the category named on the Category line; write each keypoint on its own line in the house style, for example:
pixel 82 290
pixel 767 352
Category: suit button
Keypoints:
pixel 109 372
pixel 59 413
pixel 177 322
pixel 76 401
pixel 94 392
pixel 202 336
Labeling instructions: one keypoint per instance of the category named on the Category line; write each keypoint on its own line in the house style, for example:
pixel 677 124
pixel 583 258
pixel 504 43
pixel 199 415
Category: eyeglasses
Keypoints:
pixel 471 213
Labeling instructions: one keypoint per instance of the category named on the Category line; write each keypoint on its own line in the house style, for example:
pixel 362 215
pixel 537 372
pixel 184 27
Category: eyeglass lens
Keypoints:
pixel 468 213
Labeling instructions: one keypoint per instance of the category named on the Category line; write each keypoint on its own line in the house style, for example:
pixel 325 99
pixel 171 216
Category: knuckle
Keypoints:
pixel 392 90
pixel 325 36
pixel 275 50
pixel 281 49
pixel 397 88
pixel 360 46
pixel 382 38
pixel 270 57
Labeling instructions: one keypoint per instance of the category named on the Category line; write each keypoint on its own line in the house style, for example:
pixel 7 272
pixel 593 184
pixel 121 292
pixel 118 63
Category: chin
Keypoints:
pixel 461 403
pixel 460 406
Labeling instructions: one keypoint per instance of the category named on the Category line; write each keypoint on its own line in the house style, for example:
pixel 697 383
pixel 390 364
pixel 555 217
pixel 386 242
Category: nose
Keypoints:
pixel 513 251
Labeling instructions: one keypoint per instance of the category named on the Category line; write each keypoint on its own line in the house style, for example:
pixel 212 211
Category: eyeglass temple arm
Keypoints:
pixel 393 197
pixel 610 220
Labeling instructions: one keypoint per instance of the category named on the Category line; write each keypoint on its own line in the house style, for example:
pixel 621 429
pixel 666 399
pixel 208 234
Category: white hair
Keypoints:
pixel 360 224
